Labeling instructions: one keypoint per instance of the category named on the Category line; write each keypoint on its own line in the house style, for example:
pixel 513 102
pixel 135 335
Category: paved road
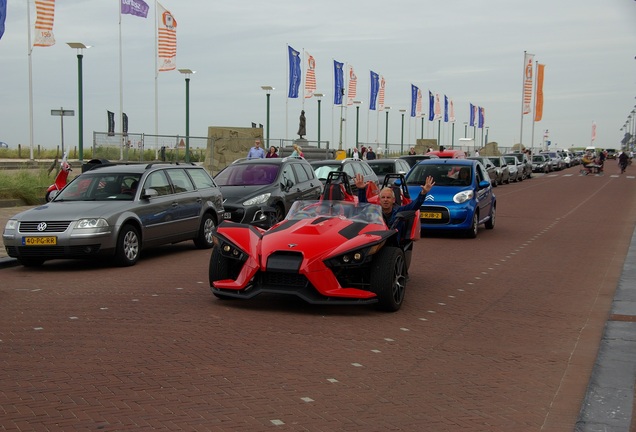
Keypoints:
pixel 500 333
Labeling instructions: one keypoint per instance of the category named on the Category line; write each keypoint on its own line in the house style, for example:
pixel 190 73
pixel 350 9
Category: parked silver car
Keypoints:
pixel 503 172
pixel 117 211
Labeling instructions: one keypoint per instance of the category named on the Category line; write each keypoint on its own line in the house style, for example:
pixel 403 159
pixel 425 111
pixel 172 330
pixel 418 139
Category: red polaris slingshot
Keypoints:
pixel 330 251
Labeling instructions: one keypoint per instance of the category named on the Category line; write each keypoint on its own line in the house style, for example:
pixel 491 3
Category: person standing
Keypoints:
pixel 256 152
pixel 623 159
pixel 272 153
pixel 412 151
pixel 355 155
pixel 302 130
pixel 370 154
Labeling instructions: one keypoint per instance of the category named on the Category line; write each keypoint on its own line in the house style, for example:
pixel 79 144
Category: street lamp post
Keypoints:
pixel 386 130
pixel 357 104
pixel 402 133
pixel 187 73
pixel 80 97
pixel 267 89
pixel 487 135
pixel 465 129
pixel 318 96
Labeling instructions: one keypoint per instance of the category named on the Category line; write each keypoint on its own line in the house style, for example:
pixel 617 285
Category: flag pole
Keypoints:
pixel 121 92
pixel 523 77
pixel 156 84
pixel 30 52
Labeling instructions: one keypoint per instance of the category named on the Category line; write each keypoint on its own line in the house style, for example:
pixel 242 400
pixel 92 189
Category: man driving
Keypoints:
pixel 387 198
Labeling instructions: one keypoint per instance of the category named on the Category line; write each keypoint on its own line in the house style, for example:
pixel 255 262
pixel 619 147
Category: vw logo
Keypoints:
pixel 42 226
pixel 429 198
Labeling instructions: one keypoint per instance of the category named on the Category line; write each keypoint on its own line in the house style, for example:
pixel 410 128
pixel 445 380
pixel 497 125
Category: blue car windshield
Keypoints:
pixel 360 212
pixel 443 174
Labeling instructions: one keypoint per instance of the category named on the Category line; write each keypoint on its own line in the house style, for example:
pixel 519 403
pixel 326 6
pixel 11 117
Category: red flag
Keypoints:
pixel 538 98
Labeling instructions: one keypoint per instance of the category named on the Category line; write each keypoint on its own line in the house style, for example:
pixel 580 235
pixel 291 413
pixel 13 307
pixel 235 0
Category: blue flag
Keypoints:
pixel 338 77
pixel 431 106
pixel 472 115
pixel 414 90
pixel 375 88
pixel 3 15
pixel 445 108
pixel 294 72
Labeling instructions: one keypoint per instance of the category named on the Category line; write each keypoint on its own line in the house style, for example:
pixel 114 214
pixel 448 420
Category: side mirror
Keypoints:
pixel 149 193
pixel 484 184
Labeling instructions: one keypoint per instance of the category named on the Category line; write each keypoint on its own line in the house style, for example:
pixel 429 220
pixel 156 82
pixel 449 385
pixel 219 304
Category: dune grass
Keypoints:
pixel 26 185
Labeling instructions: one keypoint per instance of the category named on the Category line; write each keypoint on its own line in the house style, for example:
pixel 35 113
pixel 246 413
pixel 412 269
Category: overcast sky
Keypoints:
pixel 471 51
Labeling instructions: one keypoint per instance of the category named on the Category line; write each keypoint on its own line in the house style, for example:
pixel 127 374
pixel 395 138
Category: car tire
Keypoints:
pixel 388 278
pixel 218 269
pixel 278 216
pixel 490 223
pixel 204 239
pixel 31 262
pixel 128 246
pixel 47 197
pixel 474 227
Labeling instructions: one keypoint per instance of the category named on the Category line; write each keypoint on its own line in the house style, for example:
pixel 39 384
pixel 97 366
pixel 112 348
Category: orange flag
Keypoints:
pixel 45 14
pixel 538 99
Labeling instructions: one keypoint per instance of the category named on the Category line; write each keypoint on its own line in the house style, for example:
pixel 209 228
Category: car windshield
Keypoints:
pixel 510 160
pixel 495 161
pixel 322 172
pixel 382 168
pixel 248 175
pixel 443 174
pixel 538 159
pixel 361 212
pixel 101 187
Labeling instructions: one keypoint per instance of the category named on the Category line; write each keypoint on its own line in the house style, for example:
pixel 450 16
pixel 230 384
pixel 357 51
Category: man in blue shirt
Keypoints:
pixel 387 198
pixel 256 152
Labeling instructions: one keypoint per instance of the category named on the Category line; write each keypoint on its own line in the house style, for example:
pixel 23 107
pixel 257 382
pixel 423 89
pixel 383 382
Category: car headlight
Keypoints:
pixel 91 223
pixel 354 257
pixel 11 224
pixel 463 196
pixel 228 249
pixel 261 199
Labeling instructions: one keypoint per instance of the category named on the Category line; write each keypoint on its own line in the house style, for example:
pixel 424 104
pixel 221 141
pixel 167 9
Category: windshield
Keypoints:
pixel 101 187
pixel 361 212
pixel 538 159
pixel 495 161
pixel 443 174
pixel 322 172
pixel 248 175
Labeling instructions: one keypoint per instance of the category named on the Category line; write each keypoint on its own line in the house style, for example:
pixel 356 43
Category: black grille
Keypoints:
pixel 51 227
pixel 435 209
pixel 280 279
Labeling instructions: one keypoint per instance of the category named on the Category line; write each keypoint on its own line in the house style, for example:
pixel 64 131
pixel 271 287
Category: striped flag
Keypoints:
pixel 166 39
pixel 438 107
pixel 375 87
pixel 593 131
pixel 418 106
pixel 310 76
pixel 295 74
pixel 527 83
pixel 381 93
pixel 538 98
pixel 45 13
pixel 451 115
pixel 352 87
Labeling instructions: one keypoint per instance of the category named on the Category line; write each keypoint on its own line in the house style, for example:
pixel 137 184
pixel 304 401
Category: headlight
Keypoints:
pixel 229 250
pixel 463 196
pixel 261 199
pixel 354 257
pixel 91 223
pixel 11 224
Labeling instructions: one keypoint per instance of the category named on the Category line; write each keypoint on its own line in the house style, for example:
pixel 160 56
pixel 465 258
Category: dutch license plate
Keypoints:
pixel 430 215
pixel 39 241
